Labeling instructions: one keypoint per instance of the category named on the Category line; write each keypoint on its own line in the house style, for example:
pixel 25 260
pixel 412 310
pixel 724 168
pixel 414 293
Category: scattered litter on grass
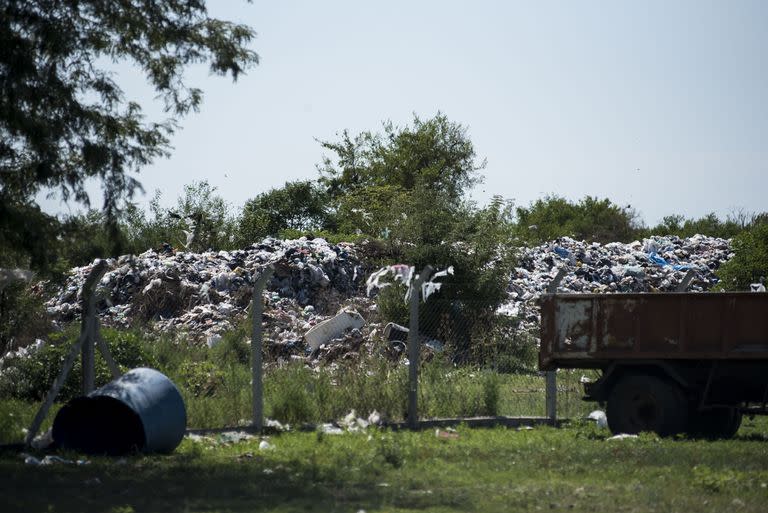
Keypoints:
pixel 524 428
pixel 277 425
pixel 265 446
pixel 30 460
pixel 43 441
pixel 622 436
pixel 374 418
pixel 225 438
pixel 599 417
pixel 233 437
pixel 447 434
pixel 51 460
pixel 330 429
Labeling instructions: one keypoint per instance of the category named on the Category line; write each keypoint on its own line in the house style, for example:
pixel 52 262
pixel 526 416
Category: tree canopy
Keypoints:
pixel 435 154
pixel 64 119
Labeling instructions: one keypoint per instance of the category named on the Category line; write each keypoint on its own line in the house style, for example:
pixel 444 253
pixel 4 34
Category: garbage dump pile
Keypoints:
pixel 203 293
pixel 656 264
pixel 316 306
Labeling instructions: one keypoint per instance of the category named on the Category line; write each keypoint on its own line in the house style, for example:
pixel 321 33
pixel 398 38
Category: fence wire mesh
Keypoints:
pixel 473 361
pixel 492 347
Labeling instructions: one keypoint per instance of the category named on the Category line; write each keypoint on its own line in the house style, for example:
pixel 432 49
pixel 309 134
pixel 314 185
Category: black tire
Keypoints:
pixel 646 403
pixel 717 423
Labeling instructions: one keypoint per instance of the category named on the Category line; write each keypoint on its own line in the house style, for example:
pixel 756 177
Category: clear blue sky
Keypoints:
pixel 656 104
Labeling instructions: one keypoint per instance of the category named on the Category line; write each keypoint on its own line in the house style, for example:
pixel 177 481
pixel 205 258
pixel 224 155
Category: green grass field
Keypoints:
pixel 574 468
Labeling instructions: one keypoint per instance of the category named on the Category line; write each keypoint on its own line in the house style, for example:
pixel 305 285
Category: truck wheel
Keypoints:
pixel 716 423
pixel 646 403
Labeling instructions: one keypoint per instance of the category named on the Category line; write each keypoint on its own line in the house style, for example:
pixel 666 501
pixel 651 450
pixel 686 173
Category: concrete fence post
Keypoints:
pixel 85 346
pixel 551 376
pixel 552 396
pixel 89 326
pixel 257 383
pixel 414 353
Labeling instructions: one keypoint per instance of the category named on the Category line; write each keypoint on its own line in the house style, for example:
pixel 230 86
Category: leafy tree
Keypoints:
pixel 375 175
pixel 300 205
pixel 26 235
pixel 478 244
pixel 545 219
pixel 84 237
pixel 22 315
pixel 750 261
pixel 435 154
pixel 201 220
pixel 590 219
pixel 709 225
pixel 63 117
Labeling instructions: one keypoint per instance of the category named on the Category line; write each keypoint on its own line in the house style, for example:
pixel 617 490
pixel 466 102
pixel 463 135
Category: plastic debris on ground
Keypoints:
pixel 599 417
pixel 333 328
pixel 351 423
pixel 43 441
pixel 224 438
pixel 447 434
pixel 622 436
pixel 277 425
pixel 51 460
pixel 330 429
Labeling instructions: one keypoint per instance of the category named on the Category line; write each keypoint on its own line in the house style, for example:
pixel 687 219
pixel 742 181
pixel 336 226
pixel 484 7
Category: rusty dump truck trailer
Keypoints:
pixel 669 362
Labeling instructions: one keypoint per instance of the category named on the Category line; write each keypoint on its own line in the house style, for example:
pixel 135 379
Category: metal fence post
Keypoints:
pixel 414 347
pixel 551 376
pixel 257 384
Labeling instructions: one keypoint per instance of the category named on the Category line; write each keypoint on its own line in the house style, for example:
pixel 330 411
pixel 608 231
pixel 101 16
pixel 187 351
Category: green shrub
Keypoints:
pixel 31 378
pixel 391 304
pixel 291 390
pixel 590 219
pixel 491 393
pixel 202 379
pixel 234 347
pixel 750 261
pixel 390 450
pixel 300 206
pixel 709 225
pixel 499 344
pixel 22 316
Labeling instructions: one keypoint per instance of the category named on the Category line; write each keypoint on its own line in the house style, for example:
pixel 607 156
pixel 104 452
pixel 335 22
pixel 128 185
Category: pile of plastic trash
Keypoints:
pixel 201 294
pixel 317 304
pixel 656 264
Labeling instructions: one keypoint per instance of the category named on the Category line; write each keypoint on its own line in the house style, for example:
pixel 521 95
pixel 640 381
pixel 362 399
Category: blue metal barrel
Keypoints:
pixel 140 411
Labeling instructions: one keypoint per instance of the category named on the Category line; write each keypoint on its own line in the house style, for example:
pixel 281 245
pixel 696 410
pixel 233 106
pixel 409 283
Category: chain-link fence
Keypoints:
pixel 399 358
pixel 500 349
